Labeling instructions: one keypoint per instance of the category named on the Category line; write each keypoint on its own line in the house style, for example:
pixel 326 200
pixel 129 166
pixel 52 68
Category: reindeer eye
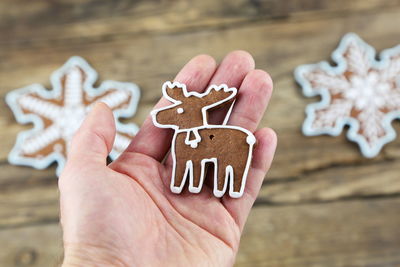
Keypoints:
pixel 179 110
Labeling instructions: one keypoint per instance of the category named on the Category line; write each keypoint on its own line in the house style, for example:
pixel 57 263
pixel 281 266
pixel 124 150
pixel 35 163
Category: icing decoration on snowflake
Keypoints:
pixel 360 92
pixel 56 114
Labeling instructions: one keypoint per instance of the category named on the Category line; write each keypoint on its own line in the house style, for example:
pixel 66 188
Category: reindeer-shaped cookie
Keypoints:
pixel 197 143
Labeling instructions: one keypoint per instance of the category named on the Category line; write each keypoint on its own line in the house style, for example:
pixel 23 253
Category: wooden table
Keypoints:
pixel 322 204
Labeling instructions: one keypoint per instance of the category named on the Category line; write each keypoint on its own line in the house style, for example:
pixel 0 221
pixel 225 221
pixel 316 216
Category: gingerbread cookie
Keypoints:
pixel 360 92
pixel 196 144
pixel 56 114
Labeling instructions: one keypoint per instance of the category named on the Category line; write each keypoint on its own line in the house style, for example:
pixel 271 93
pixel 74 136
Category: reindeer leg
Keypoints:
pixel 180 171
pixel 221 179
pixel 196 181
pixel 237 182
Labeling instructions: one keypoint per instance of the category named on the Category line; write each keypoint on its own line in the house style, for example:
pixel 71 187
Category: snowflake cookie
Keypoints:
pixel 360 92
pixel 56 114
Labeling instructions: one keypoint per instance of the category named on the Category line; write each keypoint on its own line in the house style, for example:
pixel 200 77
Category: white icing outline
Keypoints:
pixel 228 114
pixel 229 175
pixel 55 93
pixel 193 143
pixel 352 133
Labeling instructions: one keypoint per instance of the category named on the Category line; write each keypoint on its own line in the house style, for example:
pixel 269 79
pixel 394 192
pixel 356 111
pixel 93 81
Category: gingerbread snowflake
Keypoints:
pixel 58 113
pixel 360 92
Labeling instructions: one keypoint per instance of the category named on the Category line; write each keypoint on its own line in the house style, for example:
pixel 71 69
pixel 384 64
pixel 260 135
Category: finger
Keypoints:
pixel 233 69
pixel 155 142
pixel 262 158
pixel 95 138
pixel 252 100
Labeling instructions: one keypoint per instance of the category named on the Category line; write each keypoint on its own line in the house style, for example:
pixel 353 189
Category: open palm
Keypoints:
pixel 124 214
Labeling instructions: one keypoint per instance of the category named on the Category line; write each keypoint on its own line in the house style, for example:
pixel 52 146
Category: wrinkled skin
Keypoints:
pixel 124 214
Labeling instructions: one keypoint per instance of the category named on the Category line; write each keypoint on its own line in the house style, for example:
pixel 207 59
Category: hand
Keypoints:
pixel 124 214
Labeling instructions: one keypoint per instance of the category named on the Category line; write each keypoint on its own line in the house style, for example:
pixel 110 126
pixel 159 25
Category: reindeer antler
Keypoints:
pixel 174 91
pixel 216 95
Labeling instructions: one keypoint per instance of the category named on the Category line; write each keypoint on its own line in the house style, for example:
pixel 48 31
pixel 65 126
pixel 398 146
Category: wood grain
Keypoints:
pixel 103 19
pixel 322 204
pixel 35 245
pixel 349 233
pixel 345 233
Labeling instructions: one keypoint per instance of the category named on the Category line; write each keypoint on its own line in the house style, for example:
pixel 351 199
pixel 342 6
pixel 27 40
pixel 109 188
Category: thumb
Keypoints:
pixel 95 138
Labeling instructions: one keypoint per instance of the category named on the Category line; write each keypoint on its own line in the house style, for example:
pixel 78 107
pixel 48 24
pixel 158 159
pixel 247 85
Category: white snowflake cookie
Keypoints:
pixel 56 114
pixel 360 92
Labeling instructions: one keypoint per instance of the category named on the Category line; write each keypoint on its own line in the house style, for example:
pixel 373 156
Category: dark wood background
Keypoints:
pixel 322 204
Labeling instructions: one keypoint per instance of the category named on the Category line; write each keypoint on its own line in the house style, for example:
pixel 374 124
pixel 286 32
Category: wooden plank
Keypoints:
pixel 29 22
pixel 37 245
pixel 348 233
pixel 337 182
pixel 19 177
pixel 31 196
